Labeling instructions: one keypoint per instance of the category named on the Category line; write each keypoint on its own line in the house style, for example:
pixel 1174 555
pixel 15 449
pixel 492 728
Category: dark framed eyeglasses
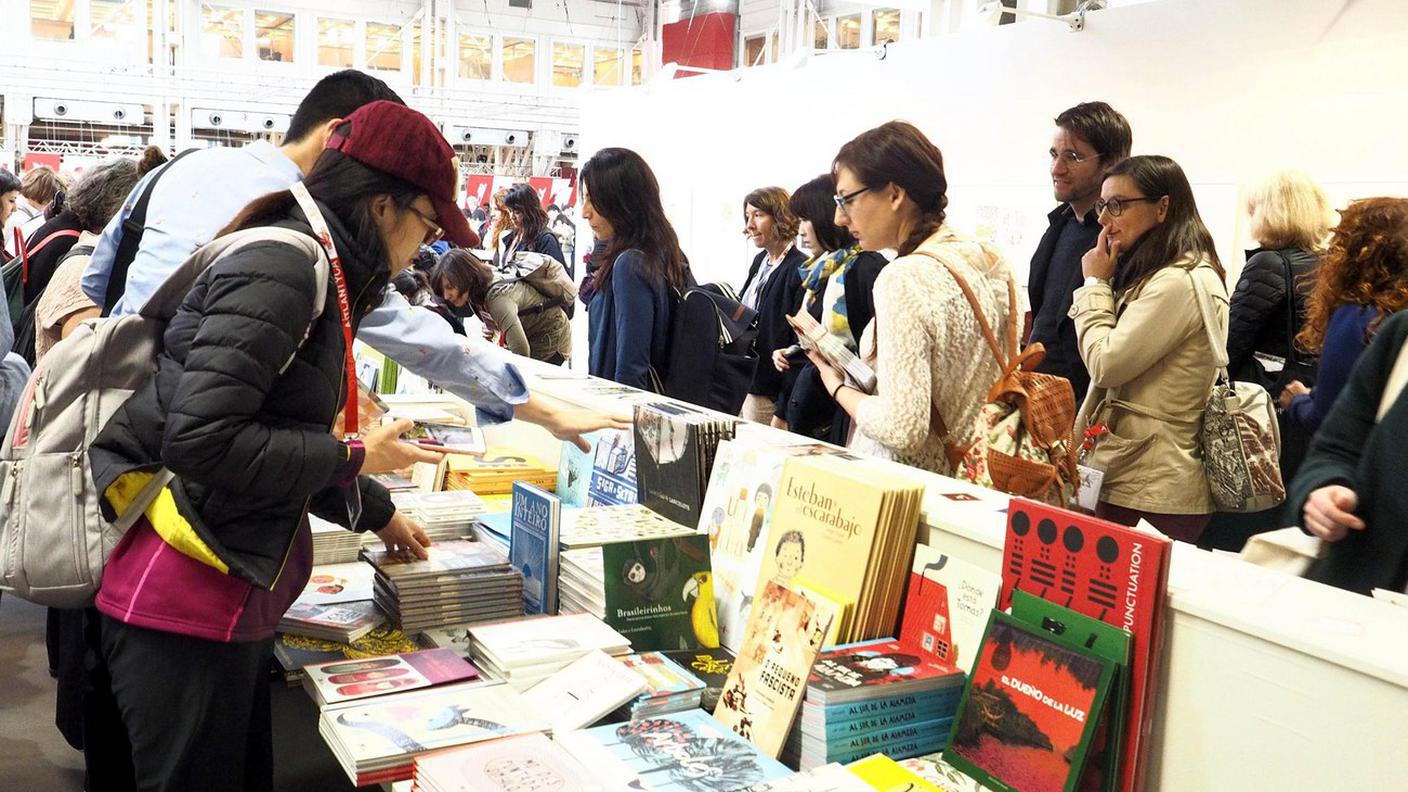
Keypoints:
pixel 843 201
pixel 1116 205
pixel 433 231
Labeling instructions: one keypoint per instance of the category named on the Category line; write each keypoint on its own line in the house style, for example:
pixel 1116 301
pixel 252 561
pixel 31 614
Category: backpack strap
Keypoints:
pixel 133 228
pixel 25 253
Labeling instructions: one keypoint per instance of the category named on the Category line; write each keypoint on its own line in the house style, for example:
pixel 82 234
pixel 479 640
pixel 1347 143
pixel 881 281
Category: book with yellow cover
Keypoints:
pixel 769 677
pixel 885 774
pixel 829 608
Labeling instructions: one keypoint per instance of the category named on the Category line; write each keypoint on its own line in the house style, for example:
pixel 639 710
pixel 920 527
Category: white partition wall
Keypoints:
pixel 1229 88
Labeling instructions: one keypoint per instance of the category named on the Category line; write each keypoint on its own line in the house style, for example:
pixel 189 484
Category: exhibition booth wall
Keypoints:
pixel 1231 90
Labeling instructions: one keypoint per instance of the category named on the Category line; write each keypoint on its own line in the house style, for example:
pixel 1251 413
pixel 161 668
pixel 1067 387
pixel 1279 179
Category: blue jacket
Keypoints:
pixel 628 323
pixel 1346 337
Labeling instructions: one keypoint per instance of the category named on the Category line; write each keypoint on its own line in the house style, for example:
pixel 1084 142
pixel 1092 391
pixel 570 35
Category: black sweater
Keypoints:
pixel 1371 459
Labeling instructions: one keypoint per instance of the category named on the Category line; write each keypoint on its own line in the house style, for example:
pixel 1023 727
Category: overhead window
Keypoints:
pixel 519 55
pixel 568 62
pixel 222 35
pixel 273 35
pixel 606 65
pixel 384 46
pixel 476 56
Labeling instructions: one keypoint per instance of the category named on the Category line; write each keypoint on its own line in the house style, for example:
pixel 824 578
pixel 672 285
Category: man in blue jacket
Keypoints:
pixel 1089 139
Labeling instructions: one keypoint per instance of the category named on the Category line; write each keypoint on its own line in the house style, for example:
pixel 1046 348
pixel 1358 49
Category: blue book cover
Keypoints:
pixel 533 545
pixel 878 723
pixel 574 471
pixel 930 704
pixel 898 744
pixel 613 473
pixel 680 752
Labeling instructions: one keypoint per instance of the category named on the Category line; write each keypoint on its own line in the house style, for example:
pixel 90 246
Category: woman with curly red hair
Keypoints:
pixel 1363 279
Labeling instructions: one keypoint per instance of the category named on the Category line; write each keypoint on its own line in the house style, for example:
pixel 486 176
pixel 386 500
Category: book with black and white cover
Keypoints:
pixel 377 740
pixel 585 691
pixel 675 448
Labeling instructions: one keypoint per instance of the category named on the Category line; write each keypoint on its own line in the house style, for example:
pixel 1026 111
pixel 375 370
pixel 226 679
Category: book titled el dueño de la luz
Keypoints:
pixel 769 677
pixel 1030 710
pixel 679 752
pixel 533 545
pixel 345 680
pixel 584 691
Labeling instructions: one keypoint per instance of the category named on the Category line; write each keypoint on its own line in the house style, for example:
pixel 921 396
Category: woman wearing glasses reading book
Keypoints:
pixel 1143 338
pixel 924 344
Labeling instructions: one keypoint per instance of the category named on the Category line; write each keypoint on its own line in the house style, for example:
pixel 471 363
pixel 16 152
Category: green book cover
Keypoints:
pixel 1079 631
pixel 1030 710
pixel 659 593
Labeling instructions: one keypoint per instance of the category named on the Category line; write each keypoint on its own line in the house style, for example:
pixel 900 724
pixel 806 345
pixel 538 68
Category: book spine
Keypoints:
pixel 862 726
pixel 901 748
pixel 939 702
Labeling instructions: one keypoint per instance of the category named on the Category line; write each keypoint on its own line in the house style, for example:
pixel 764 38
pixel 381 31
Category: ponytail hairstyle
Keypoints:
pixel 898 153
pixel 623 189
pixel 1181 235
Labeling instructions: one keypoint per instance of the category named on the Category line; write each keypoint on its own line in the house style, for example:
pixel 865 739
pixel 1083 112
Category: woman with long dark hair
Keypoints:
pixel 530 312
pixel 1143 338
pixel 641 269
pixel 529 224
pixel 248 383
pixel 838 282
pixel 929 355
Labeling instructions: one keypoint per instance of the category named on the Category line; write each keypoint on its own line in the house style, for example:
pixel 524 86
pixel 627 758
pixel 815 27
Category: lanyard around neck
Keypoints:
pixel 320 230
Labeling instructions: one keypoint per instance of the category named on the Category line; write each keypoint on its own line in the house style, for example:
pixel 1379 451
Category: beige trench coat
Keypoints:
pixel 1151 367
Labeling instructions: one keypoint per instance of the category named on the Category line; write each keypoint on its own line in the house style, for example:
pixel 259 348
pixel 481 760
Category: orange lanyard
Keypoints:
pixel 320 230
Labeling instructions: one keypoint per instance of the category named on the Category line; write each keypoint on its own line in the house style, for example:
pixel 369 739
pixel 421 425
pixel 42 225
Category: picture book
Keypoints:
pixel 925 702
pixel 877 670
pixel 1075 630
pixel 946 606
pixel 526 763
pixel 613 471
pixel 663 676
pixel 884 774
pixel 602 525
pixel 585 691
pixel 346 621
pixel 1029 711
pixel 828 607
pixel 898 743
pixel 574 471
pixel 346 680
pixel 379 738
pixel 680 752
pixel 533 545
pixel 545 639
pixel 331 584
pixel 933 768
pixel 659 592
pixel 1109 572
pixel 760 699
pixel 711 666
pixel 446 558
pixel 813 337
pixel 675 447
pixel 293 652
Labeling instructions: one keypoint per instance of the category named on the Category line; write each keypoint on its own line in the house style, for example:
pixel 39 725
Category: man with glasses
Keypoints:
pixel 1089 138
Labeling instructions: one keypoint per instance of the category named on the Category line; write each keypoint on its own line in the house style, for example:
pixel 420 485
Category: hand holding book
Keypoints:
pixel 828 352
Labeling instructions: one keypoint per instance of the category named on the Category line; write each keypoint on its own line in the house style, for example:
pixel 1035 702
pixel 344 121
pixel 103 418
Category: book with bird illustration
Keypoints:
pixel 659 593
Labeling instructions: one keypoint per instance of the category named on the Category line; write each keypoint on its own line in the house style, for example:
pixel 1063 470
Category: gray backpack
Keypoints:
pixel 54 540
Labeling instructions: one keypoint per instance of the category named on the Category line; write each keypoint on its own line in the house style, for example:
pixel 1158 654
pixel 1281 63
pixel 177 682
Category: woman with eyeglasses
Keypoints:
pixel 774 289
pixel 640 270
pixel 932 365
pixel 1143 338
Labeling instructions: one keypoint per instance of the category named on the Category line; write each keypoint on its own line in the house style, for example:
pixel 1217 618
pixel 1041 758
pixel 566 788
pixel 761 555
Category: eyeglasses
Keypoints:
pixel 842 201
pixel 1117 205
pixel 433 232
pixel 1071 158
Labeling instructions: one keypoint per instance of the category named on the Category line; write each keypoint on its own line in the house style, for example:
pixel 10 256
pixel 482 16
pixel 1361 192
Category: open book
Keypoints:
pixel 813 337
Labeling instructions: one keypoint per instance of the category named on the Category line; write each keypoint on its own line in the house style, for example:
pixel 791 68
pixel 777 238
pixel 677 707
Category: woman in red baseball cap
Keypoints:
pixel 256 363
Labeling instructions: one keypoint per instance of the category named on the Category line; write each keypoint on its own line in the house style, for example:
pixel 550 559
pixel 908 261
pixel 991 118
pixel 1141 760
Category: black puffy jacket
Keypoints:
pixel 250 445
pixel 1258 318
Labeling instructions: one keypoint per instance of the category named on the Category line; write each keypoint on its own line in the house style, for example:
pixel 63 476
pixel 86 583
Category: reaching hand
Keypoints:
pixel 386 451
pixel 1329 511
pixel 570 423
pixel 404 535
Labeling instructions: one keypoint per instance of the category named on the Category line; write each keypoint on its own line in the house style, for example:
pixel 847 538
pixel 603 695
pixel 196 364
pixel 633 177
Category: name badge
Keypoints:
pixel 1088 495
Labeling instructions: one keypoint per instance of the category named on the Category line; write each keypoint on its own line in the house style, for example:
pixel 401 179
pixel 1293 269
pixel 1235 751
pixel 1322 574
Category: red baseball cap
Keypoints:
pixel 402 142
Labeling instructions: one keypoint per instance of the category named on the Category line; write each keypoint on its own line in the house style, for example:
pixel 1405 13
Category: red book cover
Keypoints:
pixel 1109 572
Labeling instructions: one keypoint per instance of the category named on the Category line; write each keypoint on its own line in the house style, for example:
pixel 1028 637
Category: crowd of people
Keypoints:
pixel 253 371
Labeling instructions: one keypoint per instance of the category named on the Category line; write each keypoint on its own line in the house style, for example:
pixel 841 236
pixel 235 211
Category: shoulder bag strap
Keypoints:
pixel 133 228
pixel 25 253
pixel 1393 387
pixel 1291 313
pixel 1204 301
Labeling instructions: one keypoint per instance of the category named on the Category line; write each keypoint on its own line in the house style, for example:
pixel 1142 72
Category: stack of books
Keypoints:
pixel 443 515
pixel 874 697
pixel 333 544
pixel 336 681
pixel 377 741
pixel 511 764
pixel 581 582
pixel 527 651
pixel 461 582
pixel 295 652
pixel 495 472
pixel 711 666
pixel 675 447
pixel 340 622
pixel 585 691
pixel 669 688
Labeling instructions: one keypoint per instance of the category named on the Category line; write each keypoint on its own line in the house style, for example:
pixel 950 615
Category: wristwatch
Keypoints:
pixel 1091 280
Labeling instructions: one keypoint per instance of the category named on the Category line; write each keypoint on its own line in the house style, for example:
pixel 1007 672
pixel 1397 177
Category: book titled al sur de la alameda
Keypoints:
pixel 533 545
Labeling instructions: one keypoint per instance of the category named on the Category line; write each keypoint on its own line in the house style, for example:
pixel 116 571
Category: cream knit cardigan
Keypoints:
pixel 926 347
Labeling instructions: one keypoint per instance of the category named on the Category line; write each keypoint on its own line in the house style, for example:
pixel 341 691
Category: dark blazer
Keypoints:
pixel 781 296
pixel 1258 316
pixel 546 243
pixel 248 439
pixel 1062 352
pixel 1369 458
